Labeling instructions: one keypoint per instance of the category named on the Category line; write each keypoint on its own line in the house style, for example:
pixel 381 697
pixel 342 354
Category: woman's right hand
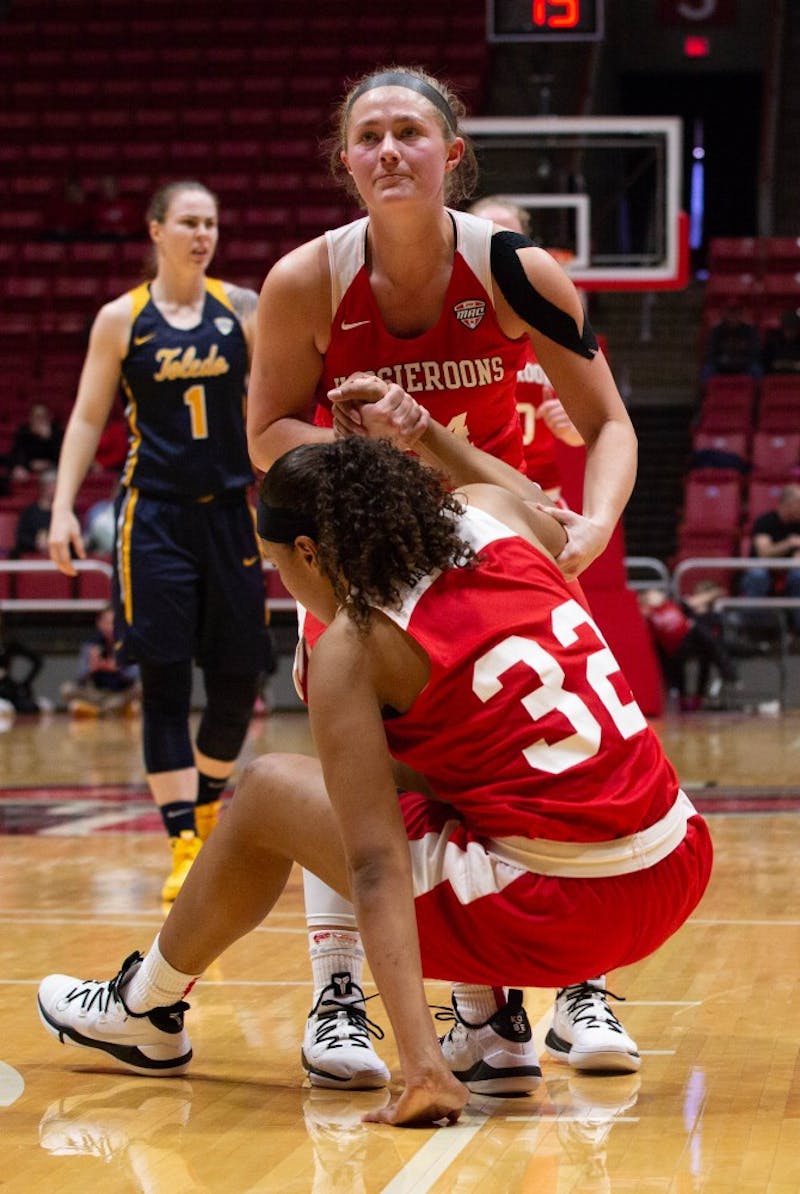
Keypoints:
pixel 65 534
pixel 423 1103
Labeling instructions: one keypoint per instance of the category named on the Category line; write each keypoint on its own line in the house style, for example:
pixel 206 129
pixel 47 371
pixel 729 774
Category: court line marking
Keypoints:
pixel 12 1084
pixel 436 1155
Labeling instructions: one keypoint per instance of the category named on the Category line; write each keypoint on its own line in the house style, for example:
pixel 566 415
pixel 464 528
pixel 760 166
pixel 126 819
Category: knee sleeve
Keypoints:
pixel 229 707
pixel 166 704
pixel 324 906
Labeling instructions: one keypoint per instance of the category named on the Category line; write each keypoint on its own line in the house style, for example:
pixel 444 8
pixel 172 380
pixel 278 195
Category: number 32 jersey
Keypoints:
pixel 185 391
pixel 527 726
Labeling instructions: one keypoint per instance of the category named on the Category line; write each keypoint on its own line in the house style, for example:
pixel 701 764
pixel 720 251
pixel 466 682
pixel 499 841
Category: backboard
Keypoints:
pixel 603 190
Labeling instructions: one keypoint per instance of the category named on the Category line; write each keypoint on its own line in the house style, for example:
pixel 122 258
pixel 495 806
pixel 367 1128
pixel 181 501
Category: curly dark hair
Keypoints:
pixel 459 184
pixel 384 520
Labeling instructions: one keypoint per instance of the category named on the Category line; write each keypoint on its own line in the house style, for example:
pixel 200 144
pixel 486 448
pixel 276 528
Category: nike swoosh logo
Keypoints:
pixel 348 327
pixel 248 560
pixel 137 340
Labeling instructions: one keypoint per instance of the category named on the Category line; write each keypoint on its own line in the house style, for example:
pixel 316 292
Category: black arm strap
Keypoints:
pixel 531 306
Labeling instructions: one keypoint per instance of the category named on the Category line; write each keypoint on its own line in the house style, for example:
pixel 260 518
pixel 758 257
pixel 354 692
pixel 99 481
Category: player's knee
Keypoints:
pixel 229 707
pixel 166 704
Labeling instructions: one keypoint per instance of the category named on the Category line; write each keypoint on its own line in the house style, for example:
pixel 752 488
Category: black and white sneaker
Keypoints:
pixel 337 1052
pixel 585 1032
pixel 496 1057
pixel 93 1015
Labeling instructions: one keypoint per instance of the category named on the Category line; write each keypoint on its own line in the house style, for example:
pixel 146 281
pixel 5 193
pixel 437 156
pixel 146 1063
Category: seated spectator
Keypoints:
pixel 775 534
pixel 114 216
pixel 68 217
pixel 782 345
pixel 689 631
pixel 16 687
pixel 733 345
pixel 37 444
pixel 33 524
pixel 103 685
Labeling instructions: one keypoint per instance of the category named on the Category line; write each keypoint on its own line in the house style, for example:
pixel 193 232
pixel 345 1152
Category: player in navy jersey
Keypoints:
pixel 447 306
pixel 540 832
pixel 188 582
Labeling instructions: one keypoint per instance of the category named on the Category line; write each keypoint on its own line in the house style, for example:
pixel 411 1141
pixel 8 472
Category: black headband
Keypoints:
pixel 401 78
pixel 283 526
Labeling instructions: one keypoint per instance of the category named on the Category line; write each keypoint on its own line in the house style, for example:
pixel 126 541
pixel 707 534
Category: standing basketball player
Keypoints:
pixel 188 581
pixel 447 306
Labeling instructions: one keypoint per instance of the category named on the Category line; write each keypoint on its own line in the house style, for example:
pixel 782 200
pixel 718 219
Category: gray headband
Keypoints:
pixel 401 78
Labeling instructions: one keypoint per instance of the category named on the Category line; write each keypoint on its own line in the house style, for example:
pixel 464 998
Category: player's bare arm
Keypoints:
pixel 350 676
pixel 292 332
pixel 97 388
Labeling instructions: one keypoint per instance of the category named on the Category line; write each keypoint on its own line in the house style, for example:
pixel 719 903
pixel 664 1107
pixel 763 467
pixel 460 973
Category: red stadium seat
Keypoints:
pixel 775 454
pixel 743 287
pixel 94 586
pixel 8 532
pixel 779 408
pixel 781 253
pixel 711 506
pixel 43 584
pixel 728 404
pixel 734 442
pixel 733 255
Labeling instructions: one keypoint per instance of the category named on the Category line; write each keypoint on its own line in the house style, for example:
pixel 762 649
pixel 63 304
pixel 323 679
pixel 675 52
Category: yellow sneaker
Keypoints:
pixel 184 851
pixel 206 817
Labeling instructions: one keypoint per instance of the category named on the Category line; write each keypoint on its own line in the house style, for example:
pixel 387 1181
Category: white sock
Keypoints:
pixel 155 983
pixel 332 951
pixel 477 1004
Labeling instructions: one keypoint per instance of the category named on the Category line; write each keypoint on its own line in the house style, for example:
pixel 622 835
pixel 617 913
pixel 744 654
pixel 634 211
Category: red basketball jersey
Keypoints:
pixel 538 441
pixel 527 726
pixel 463 369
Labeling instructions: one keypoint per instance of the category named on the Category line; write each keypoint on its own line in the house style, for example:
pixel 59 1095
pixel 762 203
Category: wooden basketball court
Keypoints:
pixel 716 1012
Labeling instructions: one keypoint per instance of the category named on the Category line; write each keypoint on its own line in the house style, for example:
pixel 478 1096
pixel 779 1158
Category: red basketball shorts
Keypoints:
pixel 482 920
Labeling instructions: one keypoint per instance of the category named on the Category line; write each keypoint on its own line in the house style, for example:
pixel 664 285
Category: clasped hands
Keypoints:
pixel 367 405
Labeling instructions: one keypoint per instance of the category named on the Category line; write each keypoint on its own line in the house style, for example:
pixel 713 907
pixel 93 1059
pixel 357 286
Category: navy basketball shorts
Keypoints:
pixel 188 582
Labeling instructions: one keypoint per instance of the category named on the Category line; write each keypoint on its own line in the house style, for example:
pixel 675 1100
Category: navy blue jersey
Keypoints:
pixel 186 392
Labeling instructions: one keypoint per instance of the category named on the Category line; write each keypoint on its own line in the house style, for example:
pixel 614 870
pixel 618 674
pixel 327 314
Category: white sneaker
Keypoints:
pixel 496 1057
pixel 93 1014
pixel 337 1051
pixel 586 1033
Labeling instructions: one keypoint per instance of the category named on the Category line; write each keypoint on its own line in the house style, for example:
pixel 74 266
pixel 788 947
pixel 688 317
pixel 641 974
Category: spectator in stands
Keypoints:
pixel 34 520
pixel 733 345
pixel 775 535
pixel 37 444
pixel 104 684
pixel 782 345
pixel 685 632
pixel 114 216
pixel 69 216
